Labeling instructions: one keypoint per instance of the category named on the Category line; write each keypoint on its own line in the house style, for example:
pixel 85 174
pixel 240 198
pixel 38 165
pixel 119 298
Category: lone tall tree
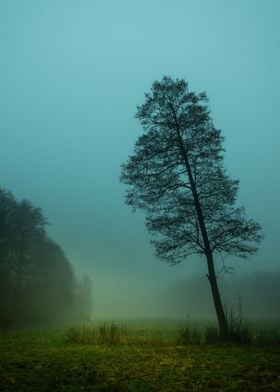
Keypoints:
pixel 176 174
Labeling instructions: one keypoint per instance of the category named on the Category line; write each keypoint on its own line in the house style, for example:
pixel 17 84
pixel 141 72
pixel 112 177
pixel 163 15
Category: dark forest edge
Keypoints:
pixel 38 286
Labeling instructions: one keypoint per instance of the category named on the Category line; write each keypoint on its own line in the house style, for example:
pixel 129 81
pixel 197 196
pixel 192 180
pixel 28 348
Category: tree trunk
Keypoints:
pixel 223 325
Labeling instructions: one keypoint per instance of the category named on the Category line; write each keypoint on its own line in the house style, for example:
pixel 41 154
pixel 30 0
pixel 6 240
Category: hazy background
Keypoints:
pixel 71 75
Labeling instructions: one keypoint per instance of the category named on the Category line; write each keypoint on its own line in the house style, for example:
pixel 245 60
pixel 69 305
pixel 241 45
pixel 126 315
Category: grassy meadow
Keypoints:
pixel 137 356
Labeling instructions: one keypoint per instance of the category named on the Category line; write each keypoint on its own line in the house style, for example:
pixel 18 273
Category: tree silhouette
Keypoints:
pixel 85 298
pixel 176 174
pixel 37 282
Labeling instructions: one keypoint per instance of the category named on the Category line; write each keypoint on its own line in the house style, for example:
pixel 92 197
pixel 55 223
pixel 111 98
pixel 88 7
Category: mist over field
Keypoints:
pixel 71 76
pixel 257 293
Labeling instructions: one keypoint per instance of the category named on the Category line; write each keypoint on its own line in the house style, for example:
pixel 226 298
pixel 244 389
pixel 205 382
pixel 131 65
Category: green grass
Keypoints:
pixel 150 359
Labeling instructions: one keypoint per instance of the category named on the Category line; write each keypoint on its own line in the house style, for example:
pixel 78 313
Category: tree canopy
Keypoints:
pixel 177 175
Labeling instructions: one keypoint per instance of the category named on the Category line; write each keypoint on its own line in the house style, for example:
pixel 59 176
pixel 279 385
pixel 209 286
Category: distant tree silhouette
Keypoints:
pixel 21 227
pixel 52 285
pixel 84 299
pixel 176 174
pixel 37 282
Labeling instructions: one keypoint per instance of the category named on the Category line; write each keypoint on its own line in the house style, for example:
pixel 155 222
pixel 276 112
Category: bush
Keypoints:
pixel 242 335
pixel 112 333
pixel 239 332
pixel 189 335
pixel 82 334
pixel 270 336
pixel 103 334
pixel 211 335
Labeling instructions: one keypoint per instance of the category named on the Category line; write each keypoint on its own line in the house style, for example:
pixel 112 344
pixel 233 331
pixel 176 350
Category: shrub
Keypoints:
pixel 103 334
pixel 82 334
pixel 211 335
pixel 189 335
pixel 239 332
pixel 270 336
pixel 112 333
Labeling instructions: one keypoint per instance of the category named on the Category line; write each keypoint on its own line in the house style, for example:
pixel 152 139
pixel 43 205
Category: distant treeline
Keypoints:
pixel 37 283
pixel 258 291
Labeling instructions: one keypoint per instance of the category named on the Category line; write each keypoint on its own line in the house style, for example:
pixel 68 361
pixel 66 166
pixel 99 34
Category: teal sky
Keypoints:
pixel 71 75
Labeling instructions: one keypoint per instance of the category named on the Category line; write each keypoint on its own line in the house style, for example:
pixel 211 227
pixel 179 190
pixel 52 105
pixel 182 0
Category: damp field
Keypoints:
pixel 144 357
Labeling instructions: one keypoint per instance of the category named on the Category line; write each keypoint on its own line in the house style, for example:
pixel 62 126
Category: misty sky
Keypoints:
pixel 71 76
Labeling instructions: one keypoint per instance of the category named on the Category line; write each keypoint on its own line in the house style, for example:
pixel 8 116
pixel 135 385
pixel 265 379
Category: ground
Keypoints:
pixel 150 359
